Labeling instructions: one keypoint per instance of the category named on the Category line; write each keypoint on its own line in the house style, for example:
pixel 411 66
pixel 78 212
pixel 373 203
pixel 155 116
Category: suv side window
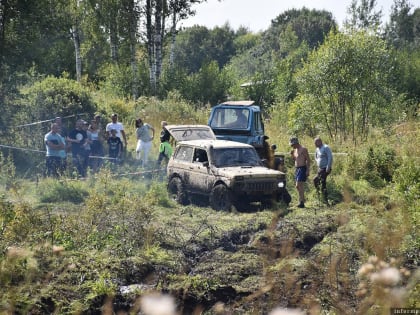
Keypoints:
pixel 184 153
pixel 200 155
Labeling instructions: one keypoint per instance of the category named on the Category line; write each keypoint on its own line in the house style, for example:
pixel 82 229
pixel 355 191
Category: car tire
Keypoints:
pixel 177 191
pixel 220 198
pixel 285 197
pixel 267 203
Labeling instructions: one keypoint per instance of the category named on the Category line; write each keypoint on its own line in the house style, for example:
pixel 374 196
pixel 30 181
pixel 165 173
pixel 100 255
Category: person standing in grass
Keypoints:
pixel 54 144
pixel 115 146
pixel 77 137
pixel 165 148
pixel 300 155
pixel 118 127
pixel 324 160
pixel 145 134
pixel 97 151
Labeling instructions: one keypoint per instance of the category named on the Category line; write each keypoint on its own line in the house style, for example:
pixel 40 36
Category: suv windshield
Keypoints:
pixel 235 157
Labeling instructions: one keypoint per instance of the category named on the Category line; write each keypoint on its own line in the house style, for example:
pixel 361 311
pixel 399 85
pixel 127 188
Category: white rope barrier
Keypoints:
pixel 48 120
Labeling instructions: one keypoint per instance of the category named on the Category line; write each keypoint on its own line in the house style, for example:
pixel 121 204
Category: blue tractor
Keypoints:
pixel 242 121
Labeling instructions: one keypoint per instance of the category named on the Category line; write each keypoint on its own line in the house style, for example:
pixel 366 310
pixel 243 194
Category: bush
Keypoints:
pixel 377 167
pixel 406 180
pixel 157 195
pixel 51 190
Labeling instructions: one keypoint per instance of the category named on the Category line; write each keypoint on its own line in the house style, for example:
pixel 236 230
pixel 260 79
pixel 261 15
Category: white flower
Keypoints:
pixel 158 305
pixel 286 311
pixel 388 276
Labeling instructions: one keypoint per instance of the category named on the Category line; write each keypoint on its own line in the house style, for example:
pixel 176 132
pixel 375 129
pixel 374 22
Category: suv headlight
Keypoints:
pixel 280 185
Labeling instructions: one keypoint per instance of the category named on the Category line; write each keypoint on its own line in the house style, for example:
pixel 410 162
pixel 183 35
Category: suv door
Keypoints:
pixel 183 160
pixel 201 179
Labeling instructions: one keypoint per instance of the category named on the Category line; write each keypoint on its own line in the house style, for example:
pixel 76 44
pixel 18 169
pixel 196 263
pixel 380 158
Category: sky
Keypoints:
pixel 256 15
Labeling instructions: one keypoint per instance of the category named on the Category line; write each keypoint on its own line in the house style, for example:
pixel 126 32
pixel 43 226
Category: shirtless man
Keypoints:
pixel 302 162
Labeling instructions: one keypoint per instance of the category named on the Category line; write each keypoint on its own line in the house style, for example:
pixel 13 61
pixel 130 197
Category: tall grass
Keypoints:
pixel 67 246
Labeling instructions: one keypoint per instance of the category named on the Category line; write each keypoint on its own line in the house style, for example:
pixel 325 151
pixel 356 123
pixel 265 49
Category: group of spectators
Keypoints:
pixel 86 144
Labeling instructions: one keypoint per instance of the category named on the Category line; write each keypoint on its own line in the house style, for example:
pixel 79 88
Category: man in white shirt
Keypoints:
pixel 115 124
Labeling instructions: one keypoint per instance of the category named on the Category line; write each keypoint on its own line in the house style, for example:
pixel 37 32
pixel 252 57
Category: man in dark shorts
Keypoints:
pixel 300 155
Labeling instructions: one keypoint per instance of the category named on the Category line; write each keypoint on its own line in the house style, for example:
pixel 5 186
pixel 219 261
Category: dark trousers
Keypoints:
pixel 320 181
pixel 162 156
pixel 53 164
pixel 79 161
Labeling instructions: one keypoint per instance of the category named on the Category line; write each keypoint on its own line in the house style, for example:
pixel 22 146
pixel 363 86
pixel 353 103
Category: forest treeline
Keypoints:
pixel 66 57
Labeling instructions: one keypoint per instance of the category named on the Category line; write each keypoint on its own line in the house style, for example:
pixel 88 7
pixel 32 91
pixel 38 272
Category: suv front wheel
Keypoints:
pixel 220 198
pixel 177 191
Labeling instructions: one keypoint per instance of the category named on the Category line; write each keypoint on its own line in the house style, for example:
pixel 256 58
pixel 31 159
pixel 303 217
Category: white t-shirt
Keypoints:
pixel 117 126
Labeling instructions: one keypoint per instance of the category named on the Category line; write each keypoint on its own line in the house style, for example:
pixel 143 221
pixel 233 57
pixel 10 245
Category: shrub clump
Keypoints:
pixel 60 191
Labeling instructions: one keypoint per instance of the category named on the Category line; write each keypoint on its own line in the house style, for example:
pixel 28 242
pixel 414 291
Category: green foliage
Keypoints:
pixel 197 46
pixel 19 265
pixel 114 212
pixel 157 195
pixel 196 285
pixel 51 191
pixel 347 82
pixel 310 26
pixel 295 54
pixel 102 286
pixel 401 30
pixel 377 166
pixel 110 104
pixel 303 116
pixel 20 224
pixel 406 78
pixel 175 109
pixel 8 172
pixel 246 41
pixel 119 80
pixel 363 15
pixel 53 97
pixel 407 181
pixel 208 86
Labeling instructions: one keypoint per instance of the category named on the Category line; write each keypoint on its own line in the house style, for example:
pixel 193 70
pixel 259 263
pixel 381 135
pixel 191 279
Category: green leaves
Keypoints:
pixel 348 80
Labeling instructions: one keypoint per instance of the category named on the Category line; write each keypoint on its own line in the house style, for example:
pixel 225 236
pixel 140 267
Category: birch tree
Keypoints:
pixel 156 13
pixel 75 12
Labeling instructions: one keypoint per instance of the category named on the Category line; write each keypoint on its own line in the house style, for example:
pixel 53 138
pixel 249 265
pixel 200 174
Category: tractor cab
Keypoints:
pixel 239 121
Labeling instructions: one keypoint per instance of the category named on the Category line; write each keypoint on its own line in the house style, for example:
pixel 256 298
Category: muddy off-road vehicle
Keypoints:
pixel 242 121
pixel 224 173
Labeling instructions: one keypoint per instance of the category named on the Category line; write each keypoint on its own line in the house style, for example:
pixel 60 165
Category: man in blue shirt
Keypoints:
pixel 54 144
pixel 324 160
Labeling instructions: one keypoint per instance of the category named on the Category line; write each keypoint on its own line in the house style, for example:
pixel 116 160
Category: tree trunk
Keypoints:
pixel 133 42
pixel 173 39
pixel 76 41
pixel 113 40
pixel 158 41
pixel 150 46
